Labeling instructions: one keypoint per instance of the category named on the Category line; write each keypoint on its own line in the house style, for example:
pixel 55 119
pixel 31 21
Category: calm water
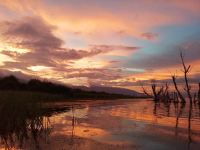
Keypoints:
pixel 98 125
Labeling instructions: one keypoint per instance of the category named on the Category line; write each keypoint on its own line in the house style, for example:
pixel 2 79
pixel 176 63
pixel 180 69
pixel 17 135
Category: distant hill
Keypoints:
pixel 12 83
pixel 112 90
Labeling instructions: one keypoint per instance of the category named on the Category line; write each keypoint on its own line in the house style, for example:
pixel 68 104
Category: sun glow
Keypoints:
pixel 39 68
pixel 88 63
pixel 12 48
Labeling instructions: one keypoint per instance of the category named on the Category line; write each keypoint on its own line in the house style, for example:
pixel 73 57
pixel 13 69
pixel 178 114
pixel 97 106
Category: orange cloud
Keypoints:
pixel 103 30
pixel 71 19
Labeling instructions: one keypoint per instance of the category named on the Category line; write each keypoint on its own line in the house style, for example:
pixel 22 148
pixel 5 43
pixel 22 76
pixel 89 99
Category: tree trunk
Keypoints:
pixel 176 87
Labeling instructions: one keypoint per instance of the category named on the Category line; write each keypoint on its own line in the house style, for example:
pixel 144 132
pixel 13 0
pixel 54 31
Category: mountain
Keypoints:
pixel 111 90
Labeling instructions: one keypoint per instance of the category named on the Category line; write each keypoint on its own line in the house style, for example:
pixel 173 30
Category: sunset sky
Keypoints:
pixel 99 42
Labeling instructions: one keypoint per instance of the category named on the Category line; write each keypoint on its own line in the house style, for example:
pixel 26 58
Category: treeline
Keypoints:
pixel 11 83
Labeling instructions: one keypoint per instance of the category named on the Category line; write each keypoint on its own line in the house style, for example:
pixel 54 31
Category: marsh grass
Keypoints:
pixel 25 96
pixel 23 117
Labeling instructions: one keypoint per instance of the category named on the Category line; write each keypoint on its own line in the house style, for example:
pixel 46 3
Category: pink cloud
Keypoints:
pixel 106 20
pixel 149 36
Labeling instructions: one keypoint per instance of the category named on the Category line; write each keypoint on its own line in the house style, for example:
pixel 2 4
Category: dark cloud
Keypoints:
pixel 114 47
pixel 33 34
pixel 102 74
pixel 118 83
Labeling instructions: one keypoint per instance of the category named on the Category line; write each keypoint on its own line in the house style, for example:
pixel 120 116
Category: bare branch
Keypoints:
pixel 145 92
pixel 186 71
pixel 198 94
pixel 177 90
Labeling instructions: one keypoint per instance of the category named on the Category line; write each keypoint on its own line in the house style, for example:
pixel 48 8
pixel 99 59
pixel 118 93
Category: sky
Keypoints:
pixel 116 43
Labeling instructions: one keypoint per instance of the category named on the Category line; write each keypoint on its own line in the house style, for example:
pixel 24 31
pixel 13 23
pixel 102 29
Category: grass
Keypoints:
pixel 24 117
pixel 21 96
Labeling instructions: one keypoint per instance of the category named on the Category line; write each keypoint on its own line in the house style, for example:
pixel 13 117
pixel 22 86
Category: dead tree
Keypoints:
pixel 198 94
pixel 156 93
pixel 194 98
pixel 165 94
pixel 186 71
pixel 145 92
pixel 166 89
pixel 177 90
pixel 176 97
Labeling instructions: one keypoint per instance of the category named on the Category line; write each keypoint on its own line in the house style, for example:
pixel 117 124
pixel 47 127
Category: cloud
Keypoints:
pixel 32 43
pixel 44 48
pixel 18 74
pixel 32 33
pixel 116 50
pixel 149 36
pixel 76 16
pixel 46 40
pixel 114 47
pixel 169 57
pixel 102 74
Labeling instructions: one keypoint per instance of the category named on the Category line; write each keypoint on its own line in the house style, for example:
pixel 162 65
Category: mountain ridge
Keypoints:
pixel 111 90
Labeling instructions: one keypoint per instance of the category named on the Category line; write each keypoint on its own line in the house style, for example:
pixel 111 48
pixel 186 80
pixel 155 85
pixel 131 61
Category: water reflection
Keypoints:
pixel 23 121
pixel 83 125
pixel 178 112
pixel 188 116
pixel 179 108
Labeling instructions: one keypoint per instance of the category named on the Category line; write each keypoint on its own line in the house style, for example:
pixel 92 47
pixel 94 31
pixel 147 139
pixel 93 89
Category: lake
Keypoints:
pixel 100 124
